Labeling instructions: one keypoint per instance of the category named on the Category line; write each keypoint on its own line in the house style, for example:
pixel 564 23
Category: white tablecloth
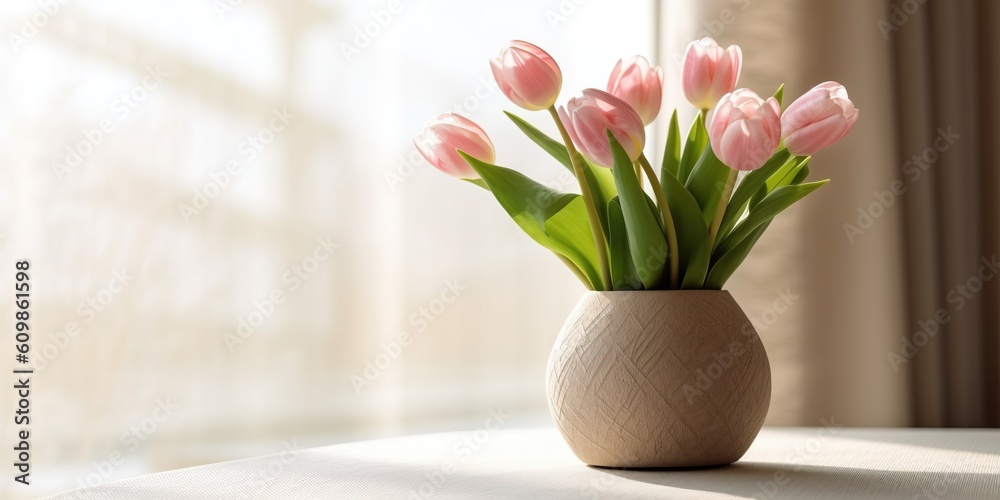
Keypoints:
pixel 801 463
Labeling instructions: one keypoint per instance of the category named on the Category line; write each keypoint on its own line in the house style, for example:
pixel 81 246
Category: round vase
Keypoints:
pixel 641 379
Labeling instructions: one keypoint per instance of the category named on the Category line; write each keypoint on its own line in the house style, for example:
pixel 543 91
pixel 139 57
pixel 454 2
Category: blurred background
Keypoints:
pixel 229 227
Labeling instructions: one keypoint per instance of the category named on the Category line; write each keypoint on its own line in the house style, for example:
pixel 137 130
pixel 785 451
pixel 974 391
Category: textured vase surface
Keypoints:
pixel 658 379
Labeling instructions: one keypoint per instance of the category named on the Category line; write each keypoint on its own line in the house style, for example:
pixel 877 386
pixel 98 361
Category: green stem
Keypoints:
pixel 720 211
pixel 576 270
pixel 638 175
pixel 588 199
pixel 668 222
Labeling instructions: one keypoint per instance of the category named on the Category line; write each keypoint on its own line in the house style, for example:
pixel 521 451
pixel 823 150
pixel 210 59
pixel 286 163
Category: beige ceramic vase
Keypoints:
pixel 658 379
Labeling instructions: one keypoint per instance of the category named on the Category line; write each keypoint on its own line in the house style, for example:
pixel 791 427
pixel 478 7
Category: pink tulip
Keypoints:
pixel 818 119
pixel 745 129
pixel 527 75
pixel 637 83
pixel 448 133
pixel 588 118
pixel 710 72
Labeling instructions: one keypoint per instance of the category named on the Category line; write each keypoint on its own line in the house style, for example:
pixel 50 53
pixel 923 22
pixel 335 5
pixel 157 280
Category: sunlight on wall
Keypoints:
pixel 229 225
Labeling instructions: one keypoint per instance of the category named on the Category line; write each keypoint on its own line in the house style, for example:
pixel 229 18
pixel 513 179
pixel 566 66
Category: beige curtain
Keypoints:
pixel 947 69
pixel 840 281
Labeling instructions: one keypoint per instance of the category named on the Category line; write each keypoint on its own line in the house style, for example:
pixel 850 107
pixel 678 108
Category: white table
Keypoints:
pixel 801 463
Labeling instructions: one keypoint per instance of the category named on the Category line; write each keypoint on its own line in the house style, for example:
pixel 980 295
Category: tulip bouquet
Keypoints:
pixel 699 224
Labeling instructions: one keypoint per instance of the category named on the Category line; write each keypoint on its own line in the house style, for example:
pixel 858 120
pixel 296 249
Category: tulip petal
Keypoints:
pixel 638 84
pixel 445 135
pixel 539 53
pixel 816 136
pixel 613 80
pixel 818 119
pixel 727 71
pixel 592 115
pixel 497 67
pixel 533 78
pixel 745 130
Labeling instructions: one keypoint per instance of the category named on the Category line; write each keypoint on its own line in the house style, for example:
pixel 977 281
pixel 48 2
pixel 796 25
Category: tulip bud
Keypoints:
pixel 818 119
pixel 445 136
pixel 588 118
pixel 710 72
pixel 527 75
pixel 640 85
pixel 745 130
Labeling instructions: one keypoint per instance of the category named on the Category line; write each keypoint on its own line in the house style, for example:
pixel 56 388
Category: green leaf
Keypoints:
pixel 706 183
pixel 576 271
pixel 604 180
pixel 569 228
pixel 794 175
pixel 778 200
pixel 600 179
pixel 672 151
pixel 692 233
pixel 557 221
pixel 724 268
pixel 745 191
pixel 550 145
pixel 758 197
pixel 647 244
pixel 478 182
pixel 779 94
pixel 697 139
pixel 801 174
pixel 782 177
pixel 623 273
pixel 791 173
pixel 602 188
